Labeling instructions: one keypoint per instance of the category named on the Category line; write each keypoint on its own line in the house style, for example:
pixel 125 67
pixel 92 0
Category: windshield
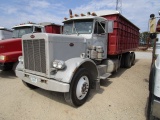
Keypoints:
pixel 78 27
pixel 18 32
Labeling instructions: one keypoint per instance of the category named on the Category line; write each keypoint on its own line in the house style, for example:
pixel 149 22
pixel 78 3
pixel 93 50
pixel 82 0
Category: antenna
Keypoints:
pixel 119 5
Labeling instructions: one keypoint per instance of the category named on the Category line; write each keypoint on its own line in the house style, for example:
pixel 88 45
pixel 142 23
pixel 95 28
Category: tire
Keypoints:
pixel 127 61
pixel 14 66
pixel 29 85
pixel 122 61
pixel 133 58
pixel 149 109
pixel 151 96
pixel 79 88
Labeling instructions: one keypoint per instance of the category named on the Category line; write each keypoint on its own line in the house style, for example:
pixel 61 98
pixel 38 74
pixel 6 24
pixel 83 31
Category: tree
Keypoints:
pixel 144 36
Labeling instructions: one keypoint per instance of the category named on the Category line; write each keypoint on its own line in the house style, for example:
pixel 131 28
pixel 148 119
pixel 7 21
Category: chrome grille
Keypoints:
pixel 34 55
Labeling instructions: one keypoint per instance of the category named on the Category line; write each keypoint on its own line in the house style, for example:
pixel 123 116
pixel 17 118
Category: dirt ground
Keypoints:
pixel 123 96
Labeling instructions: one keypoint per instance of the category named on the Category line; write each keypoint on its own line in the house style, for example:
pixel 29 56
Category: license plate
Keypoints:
pixel 33 79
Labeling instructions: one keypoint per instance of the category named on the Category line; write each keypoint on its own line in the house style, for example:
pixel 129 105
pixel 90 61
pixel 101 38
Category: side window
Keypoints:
pixel 38 29
pixel 99 28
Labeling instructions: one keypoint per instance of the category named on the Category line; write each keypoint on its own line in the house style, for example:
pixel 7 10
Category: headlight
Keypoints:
pixel 20 59
pixel 2 57
pixel 59 64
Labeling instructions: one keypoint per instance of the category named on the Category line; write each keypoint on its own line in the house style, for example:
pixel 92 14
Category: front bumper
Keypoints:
pixel 42 82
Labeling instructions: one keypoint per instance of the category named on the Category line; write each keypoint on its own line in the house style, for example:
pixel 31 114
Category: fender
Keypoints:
pixel 11 56
pixel 72 65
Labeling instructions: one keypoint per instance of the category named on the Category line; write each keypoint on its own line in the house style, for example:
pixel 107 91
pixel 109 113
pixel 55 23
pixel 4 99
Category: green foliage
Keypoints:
pixel 144 36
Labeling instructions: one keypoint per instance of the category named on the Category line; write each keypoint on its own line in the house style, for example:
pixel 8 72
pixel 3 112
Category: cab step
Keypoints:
pixel 105 76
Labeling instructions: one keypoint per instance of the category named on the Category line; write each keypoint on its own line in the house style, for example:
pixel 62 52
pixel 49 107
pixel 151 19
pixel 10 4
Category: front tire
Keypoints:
pixel 79 88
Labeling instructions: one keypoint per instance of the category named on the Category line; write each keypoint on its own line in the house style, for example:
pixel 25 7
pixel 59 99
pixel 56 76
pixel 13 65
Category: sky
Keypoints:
pixel 14 12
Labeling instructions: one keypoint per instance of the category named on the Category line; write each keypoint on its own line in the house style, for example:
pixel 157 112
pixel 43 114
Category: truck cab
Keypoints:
pixel 5 33
pixel 93 29
pixel 11 49
pixel 23 29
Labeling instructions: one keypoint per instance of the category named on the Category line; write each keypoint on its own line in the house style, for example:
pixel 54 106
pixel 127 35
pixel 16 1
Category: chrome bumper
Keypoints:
pixel 42 82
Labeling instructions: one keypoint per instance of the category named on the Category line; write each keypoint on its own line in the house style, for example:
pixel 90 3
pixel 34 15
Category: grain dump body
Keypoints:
pixel 125 36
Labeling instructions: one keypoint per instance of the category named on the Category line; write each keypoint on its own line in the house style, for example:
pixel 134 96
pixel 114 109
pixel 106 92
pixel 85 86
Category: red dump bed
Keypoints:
pixel 125 36
pixel 53 28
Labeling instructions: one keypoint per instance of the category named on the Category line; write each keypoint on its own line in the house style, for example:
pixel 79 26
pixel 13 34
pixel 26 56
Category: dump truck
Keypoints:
pixel 153 111
pixel 90 49
pixel 11 49
pixel 5 33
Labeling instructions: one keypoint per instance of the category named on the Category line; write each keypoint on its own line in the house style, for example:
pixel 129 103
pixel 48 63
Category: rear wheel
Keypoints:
pixel 127 61
pixel 133 56
pixel 122 60
pixel 79 88
pixel 29 85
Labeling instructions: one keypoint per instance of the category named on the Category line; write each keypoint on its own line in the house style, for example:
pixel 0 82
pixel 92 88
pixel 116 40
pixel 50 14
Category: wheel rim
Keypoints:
pixel 82 87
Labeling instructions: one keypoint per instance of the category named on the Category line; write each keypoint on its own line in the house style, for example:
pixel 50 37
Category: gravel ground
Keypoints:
pixel 123 96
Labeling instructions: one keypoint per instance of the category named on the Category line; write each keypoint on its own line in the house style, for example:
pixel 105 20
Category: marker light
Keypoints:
pixel 65 18
pixel 76 15
pixel 94 14
pixel 82 14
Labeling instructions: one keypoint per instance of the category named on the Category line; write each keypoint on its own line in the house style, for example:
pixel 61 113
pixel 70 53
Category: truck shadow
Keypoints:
pixel 59 97
pixel 55 96
pixel 7 74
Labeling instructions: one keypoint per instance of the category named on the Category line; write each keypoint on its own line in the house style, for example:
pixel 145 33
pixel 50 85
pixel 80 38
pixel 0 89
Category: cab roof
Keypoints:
pixel 3 28
pixel 86 17
pixel 24 25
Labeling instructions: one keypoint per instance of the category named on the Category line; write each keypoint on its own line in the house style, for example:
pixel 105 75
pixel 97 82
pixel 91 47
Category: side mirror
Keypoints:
pixel 110 26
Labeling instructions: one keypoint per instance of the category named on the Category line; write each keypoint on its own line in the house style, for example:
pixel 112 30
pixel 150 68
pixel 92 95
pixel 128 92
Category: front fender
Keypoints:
pixel 11 56
pixel 72 66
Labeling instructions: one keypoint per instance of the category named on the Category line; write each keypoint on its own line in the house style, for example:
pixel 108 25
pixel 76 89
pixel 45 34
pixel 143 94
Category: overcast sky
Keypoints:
pixel 13 12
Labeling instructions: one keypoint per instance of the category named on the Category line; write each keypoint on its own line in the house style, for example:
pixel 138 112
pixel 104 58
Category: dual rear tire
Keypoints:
pixel 127 60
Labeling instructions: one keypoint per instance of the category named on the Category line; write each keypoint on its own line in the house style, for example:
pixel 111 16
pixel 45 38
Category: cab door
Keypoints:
pixel 100 36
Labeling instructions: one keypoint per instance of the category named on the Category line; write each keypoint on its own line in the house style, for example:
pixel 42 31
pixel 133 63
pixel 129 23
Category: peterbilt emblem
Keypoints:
pixel 32 36
pixel 71 44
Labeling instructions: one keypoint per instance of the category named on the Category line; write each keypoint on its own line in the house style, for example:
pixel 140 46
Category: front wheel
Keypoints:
pixel 79 88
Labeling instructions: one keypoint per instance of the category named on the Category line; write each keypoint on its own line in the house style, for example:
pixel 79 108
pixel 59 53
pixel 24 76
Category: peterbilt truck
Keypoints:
pixel 5 33
pixel 91 47
pixel 153 111
pixel 10 49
